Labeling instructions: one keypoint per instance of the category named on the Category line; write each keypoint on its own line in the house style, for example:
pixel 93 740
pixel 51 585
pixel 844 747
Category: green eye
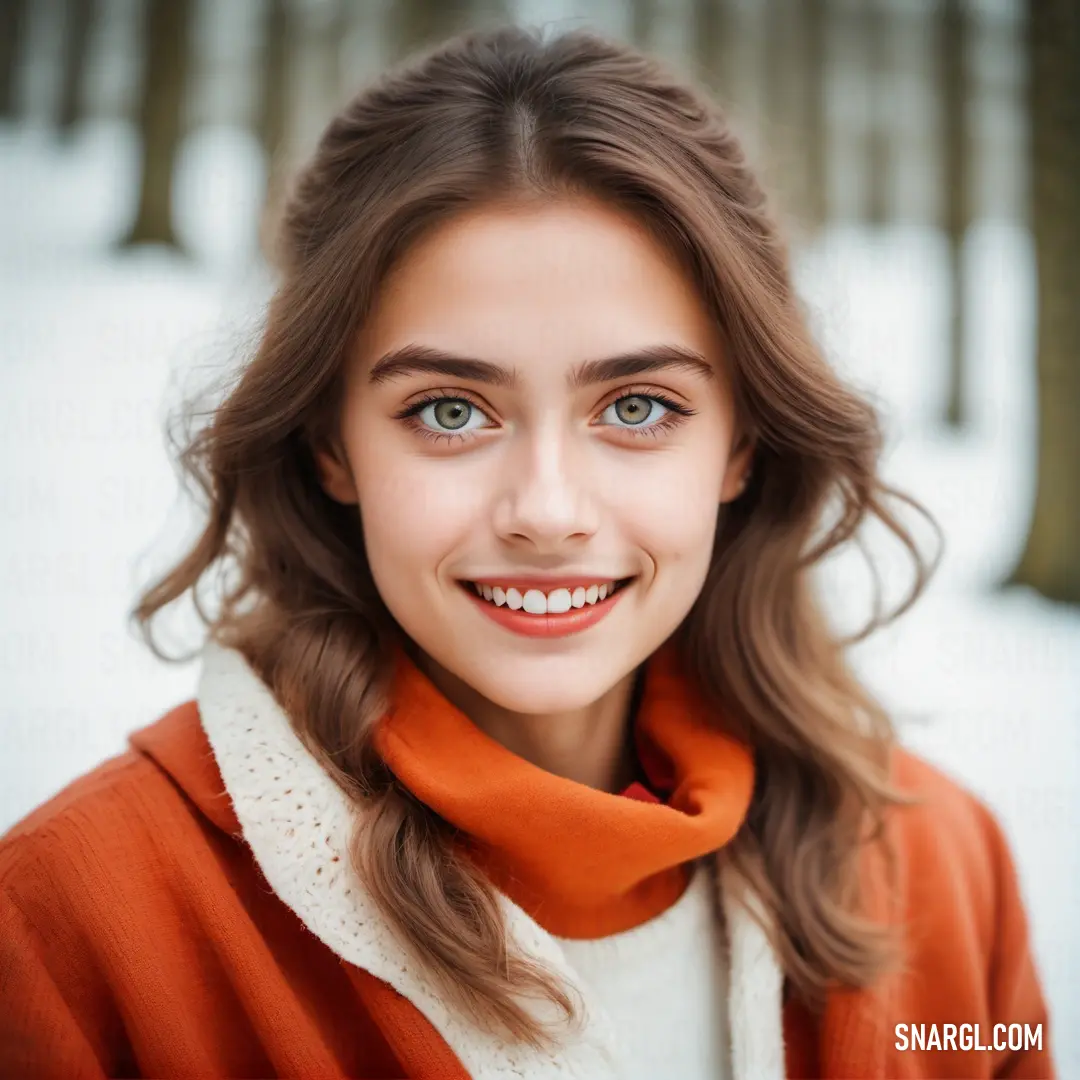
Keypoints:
pixel 452 413
pixel 633 410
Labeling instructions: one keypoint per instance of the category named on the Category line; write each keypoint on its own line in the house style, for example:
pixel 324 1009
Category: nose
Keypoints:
pixel 545 502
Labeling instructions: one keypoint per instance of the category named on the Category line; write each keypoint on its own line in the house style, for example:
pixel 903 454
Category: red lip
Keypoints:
pixel 573 621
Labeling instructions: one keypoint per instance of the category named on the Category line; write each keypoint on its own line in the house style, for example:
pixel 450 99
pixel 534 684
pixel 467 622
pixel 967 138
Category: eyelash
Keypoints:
pixel 676 414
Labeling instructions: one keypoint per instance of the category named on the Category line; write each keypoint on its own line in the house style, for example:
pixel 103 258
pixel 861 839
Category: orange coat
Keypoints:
pixel 138 936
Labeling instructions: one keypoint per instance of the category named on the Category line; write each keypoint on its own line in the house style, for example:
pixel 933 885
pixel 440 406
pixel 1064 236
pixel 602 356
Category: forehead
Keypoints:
pixel 561 281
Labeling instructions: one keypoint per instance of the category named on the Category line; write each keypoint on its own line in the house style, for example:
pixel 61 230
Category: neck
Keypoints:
pixel 590 745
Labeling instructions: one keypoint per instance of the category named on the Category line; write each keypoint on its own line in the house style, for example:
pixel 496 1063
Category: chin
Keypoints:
pixel 543 685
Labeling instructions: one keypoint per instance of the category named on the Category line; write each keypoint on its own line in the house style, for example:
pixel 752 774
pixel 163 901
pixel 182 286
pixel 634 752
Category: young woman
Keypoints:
pixel 521 747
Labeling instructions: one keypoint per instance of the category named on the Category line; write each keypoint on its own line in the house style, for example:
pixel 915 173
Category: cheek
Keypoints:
pixel 413 516
pixel 670 507
pixel 679 541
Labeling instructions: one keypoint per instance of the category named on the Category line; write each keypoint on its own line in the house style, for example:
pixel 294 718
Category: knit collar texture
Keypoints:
pixel 582 862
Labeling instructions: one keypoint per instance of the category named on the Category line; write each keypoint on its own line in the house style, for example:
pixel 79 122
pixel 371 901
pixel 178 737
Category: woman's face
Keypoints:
pixel 538 405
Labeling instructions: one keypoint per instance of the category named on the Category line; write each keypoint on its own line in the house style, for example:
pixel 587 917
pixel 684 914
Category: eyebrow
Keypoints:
pixel 424 359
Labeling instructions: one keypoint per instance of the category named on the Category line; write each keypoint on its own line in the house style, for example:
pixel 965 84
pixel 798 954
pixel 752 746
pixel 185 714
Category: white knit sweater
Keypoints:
pixel 667 998
pixel 664 985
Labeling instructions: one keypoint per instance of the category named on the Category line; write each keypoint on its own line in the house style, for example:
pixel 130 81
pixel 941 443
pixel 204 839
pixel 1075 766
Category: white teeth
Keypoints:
pixel 536 602
pixel 558 601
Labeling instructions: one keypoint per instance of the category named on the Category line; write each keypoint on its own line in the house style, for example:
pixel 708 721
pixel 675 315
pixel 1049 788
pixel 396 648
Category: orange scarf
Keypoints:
pixel 582 862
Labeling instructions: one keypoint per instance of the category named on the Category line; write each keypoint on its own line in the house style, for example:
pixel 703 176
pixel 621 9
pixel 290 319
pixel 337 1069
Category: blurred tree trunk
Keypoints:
pixel 273 96
pixel 875 23
pixel 780 93
pixel 713 36
pixel 272 117
pixel 1051 560
pixel 794 105
pixel 815 210
pixel 956 184
pixel 643 22
pixel 78 22
pixel 166 70
pixel 333 33
pixel 414 24
pixel 13 15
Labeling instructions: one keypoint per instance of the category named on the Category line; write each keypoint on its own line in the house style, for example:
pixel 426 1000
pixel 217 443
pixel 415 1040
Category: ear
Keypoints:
pixel 737 472
pixel 336 476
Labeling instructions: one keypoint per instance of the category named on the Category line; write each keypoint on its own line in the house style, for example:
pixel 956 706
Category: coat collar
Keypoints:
pixel 297 822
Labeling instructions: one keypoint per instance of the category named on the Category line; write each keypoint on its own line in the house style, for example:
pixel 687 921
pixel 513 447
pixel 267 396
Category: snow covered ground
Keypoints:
pixel 94 347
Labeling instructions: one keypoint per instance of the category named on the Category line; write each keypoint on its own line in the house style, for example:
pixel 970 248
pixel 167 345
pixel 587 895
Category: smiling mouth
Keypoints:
pixel 561 600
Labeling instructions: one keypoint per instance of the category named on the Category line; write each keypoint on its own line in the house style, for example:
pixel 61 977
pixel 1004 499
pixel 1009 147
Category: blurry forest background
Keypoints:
pixel 924 156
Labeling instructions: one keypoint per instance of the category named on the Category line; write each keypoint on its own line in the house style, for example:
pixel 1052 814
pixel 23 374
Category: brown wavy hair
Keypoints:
pixel 506 116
